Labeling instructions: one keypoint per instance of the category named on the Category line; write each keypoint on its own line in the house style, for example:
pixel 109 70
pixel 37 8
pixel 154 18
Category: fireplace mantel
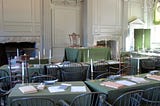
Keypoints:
pixel 19 39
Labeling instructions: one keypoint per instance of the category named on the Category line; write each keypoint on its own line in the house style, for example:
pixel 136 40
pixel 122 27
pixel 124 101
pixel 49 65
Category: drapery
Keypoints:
pixel 156 17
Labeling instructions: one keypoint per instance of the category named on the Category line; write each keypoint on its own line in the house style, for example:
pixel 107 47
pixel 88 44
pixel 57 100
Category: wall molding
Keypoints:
pixel 67 2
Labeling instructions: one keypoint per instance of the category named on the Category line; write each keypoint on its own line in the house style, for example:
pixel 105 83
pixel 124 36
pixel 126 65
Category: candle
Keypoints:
pixel 91 69
pixel 22 72
pixel 39 57
pixel 91 65
pixel 50 54
pixel 17 52
pixel 44 52
pixel 138 67
pixel 88 54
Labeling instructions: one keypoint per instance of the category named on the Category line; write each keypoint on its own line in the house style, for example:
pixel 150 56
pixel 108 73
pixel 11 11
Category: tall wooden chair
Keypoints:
pixel 73 72
pixel 151 96
pixel 5 87
pixel 32 101
pixel 147 65
pixel 88 99
pixel 100 67
pixel 131 98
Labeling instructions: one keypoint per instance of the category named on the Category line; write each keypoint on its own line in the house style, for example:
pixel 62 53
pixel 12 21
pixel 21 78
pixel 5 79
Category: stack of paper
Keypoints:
pixel 125 82
pixel 78 89
pixel 55 89
pixel 112 84
pixel 154 77
pixel 28 89
pixel 138 80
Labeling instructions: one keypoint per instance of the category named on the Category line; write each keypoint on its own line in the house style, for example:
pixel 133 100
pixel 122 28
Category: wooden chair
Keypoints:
pixel 147 65
pixel 125 57
pixel 15 70
pixel 73 72
pixel 131 98
pixel 42 78
pixel 157 63
pixel 88 99
pixel 126 70
pixel 100 67
pixel 3 97
pixel 151 96
pixel 5 87
pixel 32 101
pixel 105 75
pixel 5 80
pixel 53 70
pixel 74 40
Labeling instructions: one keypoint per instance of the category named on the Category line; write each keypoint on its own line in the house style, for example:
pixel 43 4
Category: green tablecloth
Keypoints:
pixel 36 61
pixel 85 54
pixel 135 62
pixel 67 95
pixel 113 93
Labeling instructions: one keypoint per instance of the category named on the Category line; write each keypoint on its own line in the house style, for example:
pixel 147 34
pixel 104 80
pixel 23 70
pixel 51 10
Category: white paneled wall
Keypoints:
pixel 107 21
pixel 20 21
pixel 135 9
pixel 66 18
pixel 49 22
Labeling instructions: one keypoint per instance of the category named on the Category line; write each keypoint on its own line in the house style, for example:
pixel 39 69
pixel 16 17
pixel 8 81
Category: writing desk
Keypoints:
pixel 31 70
pixel 135 62
pixel 113 93
pixel 84 54
pixel 66 95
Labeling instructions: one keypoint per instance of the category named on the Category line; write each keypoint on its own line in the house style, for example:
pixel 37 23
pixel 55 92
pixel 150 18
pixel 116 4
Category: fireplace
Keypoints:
pixel 23 48
pixel 9 50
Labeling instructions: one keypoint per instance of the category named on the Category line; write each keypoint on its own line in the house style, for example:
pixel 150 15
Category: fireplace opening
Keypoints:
pixel 22 47
pixel 9 50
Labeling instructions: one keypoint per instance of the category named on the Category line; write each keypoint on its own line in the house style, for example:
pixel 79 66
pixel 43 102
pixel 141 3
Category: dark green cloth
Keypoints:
pixel 32 70
pixel 134 63
pixel 113 93
pixel 141 35
pixel 36 61
pixel 82 54
pixel 67 95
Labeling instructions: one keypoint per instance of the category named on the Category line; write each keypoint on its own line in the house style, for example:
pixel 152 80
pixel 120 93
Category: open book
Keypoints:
pixel 154 77
pixel 28 89
pixel 112 84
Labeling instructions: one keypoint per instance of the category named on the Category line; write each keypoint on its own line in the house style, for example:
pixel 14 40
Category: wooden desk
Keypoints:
pixel 36 61
pixel 135 62
pixel 84 54
pixel 66 95
pixel 113 93
pixel 31 70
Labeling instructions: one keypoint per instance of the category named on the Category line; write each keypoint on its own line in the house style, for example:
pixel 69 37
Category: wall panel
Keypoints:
pixel 20 21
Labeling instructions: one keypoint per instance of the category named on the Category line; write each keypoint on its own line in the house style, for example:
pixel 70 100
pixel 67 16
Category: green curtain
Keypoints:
pixel 147 38
pixel 156 16
pixel 138 39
